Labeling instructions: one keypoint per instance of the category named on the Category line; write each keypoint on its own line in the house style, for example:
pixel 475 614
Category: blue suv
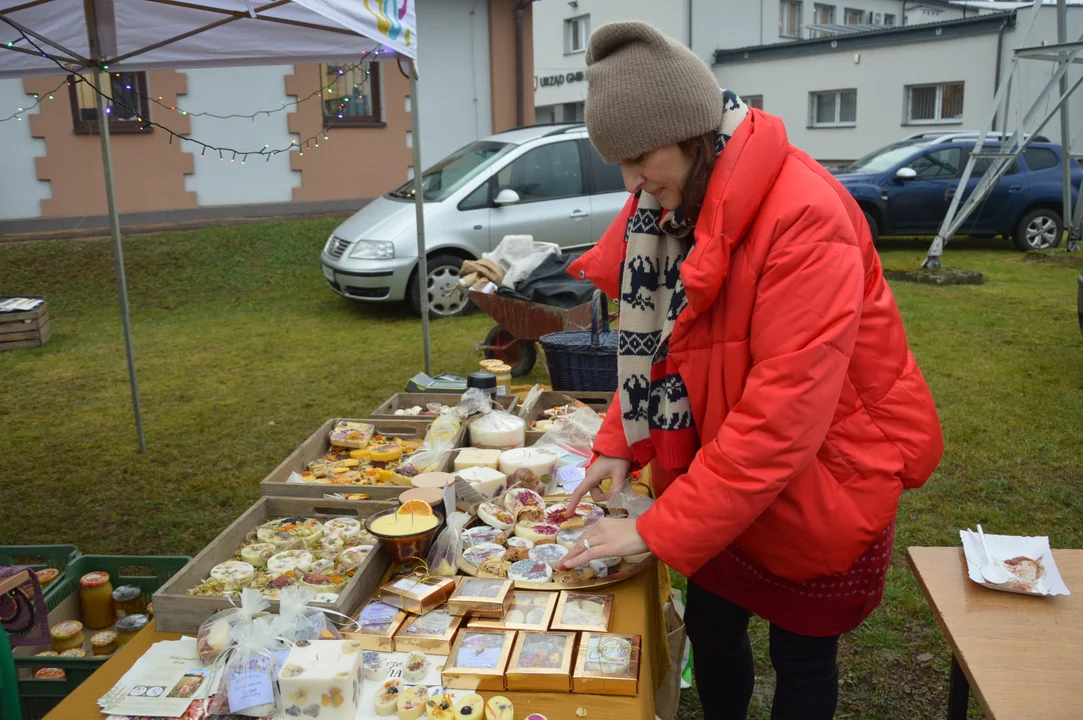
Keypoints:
pixel 906 188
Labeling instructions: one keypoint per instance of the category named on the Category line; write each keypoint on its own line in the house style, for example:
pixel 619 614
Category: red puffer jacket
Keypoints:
pixel 812 414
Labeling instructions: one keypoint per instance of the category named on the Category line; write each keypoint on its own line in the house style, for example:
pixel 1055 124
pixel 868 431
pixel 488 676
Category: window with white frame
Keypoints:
pixel 576 34
pixel 889 19
pixel 822 15
pixel 853 17
pixel 933 104
pixel 753 101
pixel 833 108
pixel 789 19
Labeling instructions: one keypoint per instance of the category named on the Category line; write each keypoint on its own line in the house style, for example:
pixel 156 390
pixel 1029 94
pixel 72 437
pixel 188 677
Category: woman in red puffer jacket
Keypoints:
pixel 764 375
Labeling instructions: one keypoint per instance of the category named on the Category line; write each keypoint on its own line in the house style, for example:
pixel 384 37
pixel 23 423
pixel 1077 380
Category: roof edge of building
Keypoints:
pixel 925 32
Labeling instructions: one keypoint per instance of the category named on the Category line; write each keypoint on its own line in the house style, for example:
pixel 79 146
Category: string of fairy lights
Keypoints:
pixel 233 154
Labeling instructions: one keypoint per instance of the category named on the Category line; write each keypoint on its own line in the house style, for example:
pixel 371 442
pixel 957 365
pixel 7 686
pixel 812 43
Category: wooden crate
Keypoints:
pixel 175 611
pixel 409 400
pixel 317 445
pixel 25 329
pixel 599 401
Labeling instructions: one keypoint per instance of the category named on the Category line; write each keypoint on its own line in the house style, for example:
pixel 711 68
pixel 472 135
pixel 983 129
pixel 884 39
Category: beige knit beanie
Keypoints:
pixel 645 90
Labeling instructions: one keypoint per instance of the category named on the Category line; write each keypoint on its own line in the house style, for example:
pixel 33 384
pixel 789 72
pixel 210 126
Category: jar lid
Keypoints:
pixel 124 593
pixel 48 653
pixel 94 579
pixel 105 637
pixel 132 623
pixel 482 380
pixel 74 652
pixel 67 629
pixel 47 575
pixel 49 674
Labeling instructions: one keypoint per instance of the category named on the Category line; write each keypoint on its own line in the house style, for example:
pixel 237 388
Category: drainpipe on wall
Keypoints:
pixel 520 5
pixel 996 73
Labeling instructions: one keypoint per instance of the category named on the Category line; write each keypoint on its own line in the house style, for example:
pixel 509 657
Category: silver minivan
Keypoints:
pixel 547 181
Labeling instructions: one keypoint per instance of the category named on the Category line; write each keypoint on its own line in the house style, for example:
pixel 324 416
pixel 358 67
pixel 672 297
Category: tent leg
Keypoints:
pixel 118 251
pixel 419 206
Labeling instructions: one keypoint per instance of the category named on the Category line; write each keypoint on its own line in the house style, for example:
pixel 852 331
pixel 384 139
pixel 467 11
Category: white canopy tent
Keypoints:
pixel 54 37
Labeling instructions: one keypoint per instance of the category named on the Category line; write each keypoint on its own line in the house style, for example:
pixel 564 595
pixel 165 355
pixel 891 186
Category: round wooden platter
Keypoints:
pixel 623 571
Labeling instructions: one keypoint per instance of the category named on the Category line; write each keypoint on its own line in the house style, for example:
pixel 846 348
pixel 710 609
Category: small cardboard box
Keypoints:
pixel 417 593
pixel 375 626
pixel 431 633
pixel 535 607
pixel 318 444
pixel 176 611
pixel 583 612
pixel 481 598
pixel 541 662
pixel 478 660
pixel 607 664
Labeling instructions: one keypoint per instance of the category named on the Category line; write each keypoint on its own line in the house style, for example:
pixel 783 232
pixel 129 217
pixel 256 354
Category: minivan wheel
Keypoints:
pixel 446 297
pixel 1039 229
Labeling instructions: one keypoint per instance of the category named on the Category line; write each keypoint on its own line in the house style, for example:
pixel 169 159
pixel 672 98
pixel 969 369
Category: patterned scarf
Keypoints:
pixel 657 415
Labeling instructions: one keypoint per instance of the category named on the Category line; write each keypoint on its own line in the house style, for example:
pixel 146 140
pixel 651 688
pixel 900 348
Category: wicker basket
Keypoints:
pixel 582 360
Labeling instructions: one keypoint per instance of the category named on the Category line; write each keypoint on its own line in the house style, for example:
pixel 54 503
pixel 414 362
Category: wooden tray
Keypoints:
pixel 408 400
pixel 600 401
pixel 317 445
pixel 175 611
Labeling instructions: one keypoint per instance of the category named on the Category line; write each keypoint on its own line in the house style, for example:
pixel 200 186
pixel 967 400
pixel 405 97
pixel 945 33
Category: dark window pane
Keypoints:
pixel 607 178
pixel 1040 158
pixel 939 165
pixel 545 173
pixel 477 199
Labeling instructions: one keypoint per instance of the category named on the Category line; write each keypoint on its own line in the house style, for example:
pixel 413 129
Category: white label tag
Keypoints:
pixel 250 685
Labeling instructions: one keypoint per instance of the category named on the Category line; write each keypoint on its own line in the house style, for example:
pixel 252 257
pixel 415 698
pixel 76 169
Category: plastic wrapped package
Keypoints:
pixel 496 429
pixel 520 255
pixel 576 432
pixel 627 499
pixel 247 686
pixel 439 441
pixel 297 621
pixel 443 558
pixel 216 633
pixel 351 434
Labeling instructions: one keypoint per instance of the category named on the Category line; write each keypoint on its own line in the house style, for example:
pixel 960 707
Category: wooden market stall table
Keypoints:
pixel 1019 654
pixel 636 611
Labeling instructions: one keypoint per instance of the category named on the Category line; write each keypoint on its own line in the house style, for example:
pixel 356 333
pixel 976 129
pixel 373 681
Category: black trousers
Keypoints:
pixel 807 685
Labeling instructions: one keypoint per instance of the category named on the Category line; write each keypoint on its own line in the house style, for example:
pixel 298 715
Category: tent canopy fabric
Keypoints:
pixel 168 34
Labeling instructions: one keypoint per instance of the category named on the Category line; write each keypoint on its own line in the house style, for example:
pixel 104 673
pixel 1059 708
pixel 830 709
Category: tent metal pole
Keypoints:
pixel 419 206
pixel 102 80
pixel 1065 124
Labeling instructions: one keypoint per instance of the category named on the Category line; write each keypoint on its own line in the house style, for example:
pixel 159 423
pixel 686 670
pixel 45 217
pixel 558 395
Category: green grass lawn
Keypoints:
pixel 242 352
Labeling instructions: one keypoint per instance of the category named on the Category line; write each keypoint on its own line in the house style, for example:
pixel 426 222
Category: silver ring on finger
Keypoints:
pixel 586 543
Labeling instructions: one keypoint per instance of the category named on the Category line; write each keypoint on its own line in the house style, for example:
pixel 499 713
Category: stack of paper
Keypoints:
pixel 18 304
pixel 167 682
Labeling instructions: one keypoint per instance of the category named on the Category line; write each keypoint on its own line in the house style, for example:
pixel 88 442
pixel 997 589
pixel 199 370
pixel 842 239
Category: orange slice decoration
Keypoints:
pixel 416 507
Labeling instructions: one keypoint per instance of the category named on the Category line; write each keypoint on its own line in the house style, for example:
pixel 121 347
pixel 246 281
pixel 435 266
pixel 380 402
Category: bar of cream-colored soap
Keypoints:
pixel 485 480
pixel 476 457
pixel 324 677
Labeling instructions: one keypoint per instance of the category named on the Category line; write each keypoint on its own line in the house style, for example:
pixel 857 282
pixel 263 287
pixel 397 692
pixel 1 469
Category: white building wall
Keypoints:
pixel 20 192
pixel 881 76
pixel 242 90
pixel 454 86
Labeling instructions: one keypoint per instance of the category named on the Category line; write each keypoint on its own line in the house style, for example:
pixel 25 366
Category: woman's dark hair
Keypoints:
pixel 701 150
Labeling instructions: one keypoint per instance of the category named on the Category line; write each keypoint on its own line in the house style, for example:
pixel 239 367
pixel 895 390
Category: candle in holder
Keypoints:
pixel 539 461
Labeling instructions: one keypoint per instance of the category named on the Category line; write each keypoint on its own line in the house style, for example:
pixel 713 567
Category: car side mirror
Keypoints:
pixel 905 174
pixel 507 196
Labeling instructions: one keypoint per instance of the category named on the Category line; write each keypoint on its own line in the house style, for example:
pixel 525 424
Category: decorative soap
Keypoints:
pixel 529 610
pixel 256 554
pixel 412 700
pixel 533 571
pixel 483 534
pixel 478 660
pixel 479 553
pixel 607 664
pixel 471 707
pixel 476 457
pixel 375 666
pixel 549 554
pixel 499 708
pixel 440 707
pixel 322 678
pixel 431 633
pixel 233 573
pixel 387 700
pixel 496 516
pixel 481 597
pixel 485 480
pixel 515 499
pixel 537 533
pixel 588 612
pixel 289 560
pixel 376 625
pixel 415 667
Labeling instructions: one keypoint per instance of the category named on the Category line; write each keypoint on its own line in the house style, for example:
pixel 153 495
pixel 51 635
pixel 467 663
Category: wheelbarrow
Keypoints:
pixel 520 324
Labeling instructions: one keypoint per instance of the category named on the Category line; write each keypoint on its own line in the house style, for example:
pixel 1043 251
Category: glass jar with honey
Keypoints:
pixel 129 626
pixel 128 600
pixel 103 643
pixel 96 597
pixel 67 635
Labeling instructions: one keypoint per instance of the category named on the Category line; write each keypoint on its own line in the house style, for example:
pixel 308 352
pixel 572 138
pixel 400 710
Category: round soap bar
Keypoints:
pixel 234 573
pixel 256 554
pixel 568 538
pixel 411 703
pixel 481 534
pixel 536 716
pixel 590 512
pixel 477 554
pixel 495 516
pixel 375 666
pixel 346 526
pixel 322 583
pixel 289 560
pixel 534 571
pixel 333 543
pixel 515 499
pixel 322 565
pixel 351 557
pixel 499 708
pixel 537 533
pixel 577 574
pixel 440 707
pixel 520 542
pixel 471 707
pixel 610 562
pixel 387 699
pixel 549 554
pixel 599 567
pixel 415 667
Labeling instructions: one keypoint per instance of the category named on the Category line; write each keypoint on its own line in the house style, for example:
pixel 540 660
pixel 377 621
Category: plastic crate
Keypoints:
pixel 39 557
pixel 38 697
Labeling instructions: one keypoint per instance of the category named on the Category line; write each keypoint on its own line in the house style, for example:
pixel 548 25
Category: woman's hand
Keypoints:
pixel 608 537
pixel 603 467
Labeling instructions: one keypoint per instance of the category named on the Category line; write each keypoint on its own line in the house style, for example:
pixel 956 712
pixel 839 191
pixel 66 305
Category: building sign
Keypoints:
pixel 558 80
